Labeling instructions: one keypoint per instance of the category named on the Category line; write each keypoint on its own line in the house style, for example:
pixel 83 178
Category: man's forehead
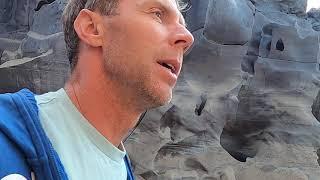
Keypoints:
pixel 169 5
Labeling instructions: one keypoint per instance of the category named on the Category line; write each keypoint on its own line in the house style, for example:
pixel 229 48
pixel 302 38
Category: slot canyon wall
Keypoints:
pixel 247 103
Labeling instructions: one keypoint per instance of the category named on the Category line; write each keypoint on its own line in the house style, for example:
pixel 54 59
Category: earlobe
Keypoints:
pixel 88 27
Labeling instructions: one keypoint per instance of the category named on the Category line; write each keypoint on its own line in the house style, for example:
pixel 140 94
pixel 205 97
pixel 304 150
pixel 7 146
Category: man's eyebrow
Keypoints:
pixel 169 10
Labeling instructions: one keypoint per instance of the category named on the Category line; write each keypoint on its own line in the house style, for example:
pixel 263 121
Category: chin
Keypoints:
pixel 164 100
pixel 160 100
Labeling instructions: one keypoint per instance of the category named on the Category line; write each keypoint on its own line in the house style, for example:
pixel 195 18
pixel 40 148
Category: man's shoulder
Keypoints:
pixel 23 140
pixel 14 135
pixel 18 112
pixel 19 102
pixel 10 98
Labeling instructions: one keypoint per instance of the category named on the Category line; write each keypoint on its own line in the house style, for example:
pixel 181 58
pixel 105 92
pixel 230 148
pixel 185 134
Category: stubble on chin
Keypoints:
pixel 138 90
pixel 153 98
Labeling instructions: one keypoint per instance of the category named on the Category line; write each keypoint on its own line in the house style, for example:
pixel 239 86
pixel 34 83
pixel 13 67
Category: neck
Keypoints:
pixel 102 104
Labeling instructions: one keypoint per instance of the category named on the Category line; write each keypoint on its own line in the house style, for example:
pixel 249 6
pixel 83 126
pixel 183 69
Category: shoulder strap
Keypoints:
pixel 130 175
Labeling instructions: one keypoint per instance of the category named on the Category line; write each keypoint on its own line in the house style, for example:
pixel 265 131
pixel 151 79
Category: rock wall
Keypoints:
pixel 246 105
pixel 32 49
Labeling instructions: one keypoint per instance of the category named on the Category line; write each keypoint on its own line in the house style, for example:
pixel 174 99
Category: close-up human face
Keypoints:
pixel 144 47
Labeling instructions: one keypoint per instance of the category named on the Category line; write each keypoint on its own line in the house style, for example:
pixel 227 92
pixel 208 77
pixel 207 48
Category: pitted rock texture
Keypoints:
pixel 314 17
pixel 257 65
pixel 246 105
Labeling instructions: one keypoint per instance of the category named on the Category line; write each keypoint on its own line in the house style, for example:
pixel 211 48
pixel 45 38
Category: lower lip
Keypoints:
pixel 171 76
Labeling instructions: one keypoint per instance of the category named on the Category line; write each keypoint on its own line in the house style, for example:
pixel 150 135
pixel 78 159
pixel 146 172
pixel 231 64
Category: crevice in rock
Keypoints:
pixel 194 164
pixel 316 107
pixel 1 51
pixel 253 2
pixel 201 104
pixel 234 44
pixel 280 45
pixel 41 3
pixel 318 154
pixel 248 62
pixel 187 5
pixel 149 175
pixel 269 46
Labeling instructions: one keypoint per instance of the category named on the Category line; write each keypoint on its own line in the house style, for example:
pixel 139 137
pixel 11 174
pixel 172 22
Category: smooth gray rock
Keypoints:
pixel 196 15
pixel 229 21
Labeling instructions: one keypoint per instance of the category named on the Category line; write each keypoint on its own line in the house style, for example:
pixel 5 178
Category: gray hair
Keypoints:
pixel 71 11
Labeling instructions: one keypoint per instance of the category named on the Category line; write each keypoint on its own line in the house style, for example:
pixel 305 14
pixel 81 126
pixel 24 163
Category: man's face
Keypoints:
pixel 141 42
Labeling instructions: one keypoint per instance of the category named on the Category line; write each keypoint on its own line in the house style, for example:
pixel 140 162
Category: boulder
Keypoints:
pixel 229 21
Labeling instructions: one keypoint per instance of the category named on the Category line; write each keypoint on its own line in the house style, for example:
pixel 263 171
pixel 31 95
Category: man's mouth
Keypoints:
pixel 169 66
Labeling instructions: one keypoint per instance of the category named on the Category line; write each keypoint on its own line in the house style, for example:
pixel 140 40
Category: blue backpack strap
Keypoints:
pixel 12 161
pixel 130 175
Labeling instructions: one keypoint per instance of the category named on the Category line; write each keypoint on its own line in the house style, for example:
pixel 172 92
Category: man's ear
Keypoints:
pixel 88 26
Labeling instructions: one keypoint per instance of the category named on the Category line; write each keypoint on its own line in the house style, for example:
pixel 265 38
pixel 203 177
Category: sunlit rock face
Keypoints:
pixel 246 105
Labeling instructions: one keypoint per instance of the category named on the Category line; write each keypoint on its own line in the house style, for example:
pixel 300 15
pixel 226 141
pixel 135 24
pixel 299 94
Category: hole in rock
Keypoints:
pixel 280 45
pixel 243 136
pixel 315 108
pixel 43 2
pixel 240 139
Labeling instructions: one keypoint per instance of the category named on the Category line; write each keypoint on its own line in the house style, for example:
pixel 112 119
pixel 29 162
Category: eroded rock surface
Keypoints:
pixel 33 52
pixel 260 88
pixel 246 105
pixel 314 17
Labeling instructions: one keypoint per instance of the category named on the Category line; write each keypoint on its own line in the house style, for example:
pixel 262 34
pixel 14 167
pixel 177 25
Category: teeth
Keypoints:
pixel 172 67
pixel 169 66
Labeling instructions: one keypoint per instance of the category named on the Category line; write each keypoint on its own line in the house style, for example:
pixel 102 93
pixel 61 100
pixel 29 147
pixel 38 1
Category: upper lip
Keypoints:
pixel 173 62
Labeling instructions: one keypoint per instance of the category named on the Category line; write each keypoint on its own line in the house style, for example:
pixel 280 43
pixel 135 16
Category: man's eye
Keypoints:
pixel 158 14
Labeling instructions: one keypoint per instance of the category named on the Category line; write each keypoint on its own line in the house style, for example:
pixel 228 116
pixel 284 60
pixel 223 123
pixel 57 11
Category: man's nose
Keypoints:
pixel 182 38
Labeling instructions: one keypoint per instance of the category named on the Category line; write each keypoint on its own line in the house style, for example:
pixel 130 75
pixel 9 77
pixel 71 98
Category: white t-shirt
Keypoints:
pixel 83 151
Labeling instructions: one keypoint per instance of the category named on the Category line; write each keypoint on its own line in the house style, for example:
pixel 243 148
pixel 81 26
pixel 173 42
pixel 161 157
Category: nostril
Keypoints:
pixel 181 41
